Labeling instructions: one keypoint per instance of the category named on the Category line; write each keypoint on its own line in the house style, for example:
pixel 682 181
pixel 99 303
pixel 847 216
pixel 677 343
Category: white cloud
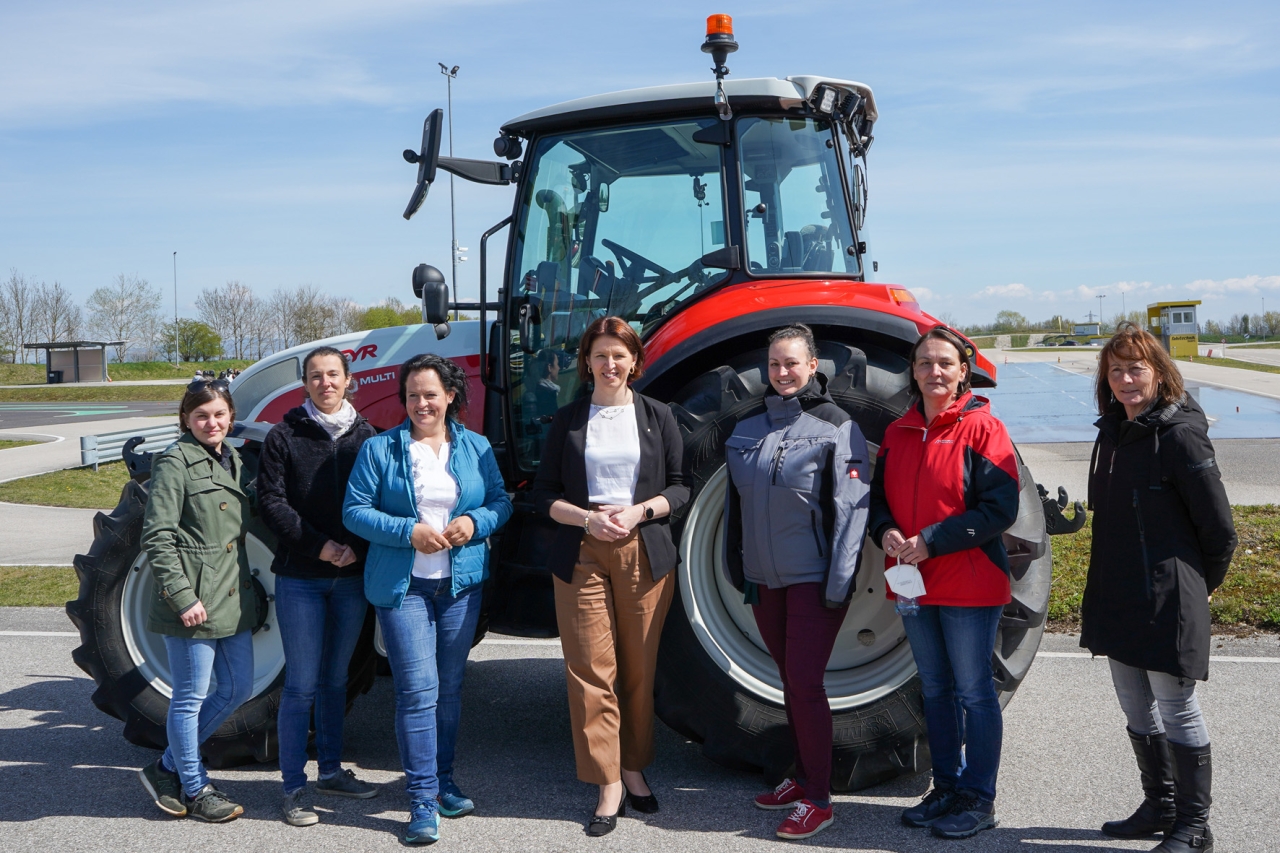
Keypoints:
pixel 1249 285
pixel 1005 291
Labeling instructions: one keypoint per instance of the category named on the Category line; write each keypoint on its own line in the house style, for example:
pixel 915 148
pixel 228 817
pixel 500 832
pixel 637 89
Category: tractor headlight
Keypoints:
pixel 825 100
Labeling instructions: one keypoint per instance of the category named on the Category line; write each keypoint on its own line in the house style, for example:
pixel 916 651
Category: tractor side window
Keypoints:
pixel 612 221
pixel 797 217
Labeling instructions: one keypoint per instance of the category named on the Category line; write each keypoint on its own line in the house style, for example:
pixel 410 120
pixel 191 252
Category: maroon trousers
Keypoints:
pixel 800 633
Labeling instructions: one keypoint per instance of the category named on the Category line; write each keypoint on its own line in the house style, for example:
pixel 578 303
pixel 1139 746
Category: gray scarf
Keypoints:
pixel 335 424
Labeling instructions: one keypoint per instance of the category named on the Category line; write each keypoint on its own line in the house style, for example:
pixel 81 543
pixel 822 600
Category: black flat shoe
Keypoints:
pixel 648 804
pixel 603 824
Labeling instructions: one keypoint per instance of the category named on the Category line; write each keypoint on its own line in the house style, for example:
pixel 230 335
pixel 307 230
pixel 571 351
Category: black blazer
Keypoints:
pixel 563 474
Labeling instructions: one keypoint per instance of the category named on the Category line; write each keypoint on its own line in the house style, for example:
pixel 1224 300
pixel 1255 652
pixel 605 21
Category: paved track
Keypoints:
pixel 67 775
pixel 28 415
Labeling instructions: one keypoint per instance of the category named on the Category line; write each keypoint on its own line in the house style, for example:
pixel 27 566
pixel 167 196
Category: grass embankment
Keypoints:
pixel 93 394
pixel 75 487
pixel 21 374
pixel 1248 598
pixel 37 586
pixel 8 445
pixel 1234 362
pixel 122 371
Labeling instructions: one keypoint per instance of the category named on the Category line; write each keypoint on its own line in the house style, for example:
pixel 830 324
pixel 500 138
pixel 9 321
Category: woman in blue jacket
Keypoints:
pixel 426 495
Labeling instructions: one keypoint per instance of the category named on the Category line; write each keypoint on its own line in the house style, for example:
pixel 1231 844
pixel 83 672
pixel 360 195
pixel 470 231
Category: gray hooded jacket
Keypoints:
pixel 798 497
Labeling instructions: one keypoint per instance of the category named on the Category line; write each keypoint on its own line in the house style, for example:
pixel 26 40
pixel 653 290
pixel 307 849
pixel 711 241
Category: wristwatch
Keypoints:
pixel 648 513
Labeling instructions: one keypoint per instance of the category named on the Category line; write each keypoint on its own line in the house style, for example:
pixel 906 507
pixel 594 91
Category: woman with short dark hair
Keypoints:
pixel 426 496
pixel 319 568
pixel 1163 538
pixel 945 489
pixel 611 476
pixel 193 535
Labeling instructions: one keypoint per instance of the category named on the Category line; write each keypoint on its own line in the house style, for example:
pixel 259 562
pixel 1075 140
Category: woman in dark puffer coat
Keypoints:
pixel 1162 540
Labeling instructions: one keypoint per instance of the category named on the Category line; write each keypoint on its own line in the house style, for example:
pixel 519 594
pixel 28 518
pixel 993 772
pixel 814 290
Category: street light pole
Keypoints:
pixel 1101 296
pixel 175 311
pixel 451 74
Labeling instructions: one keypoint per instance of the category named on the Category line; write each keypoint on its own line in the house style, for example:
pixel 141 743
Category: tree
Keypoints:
pixel 393 312
pixel 196 341
pixel 1010 321
pixel 229 311
pixel 126 310
pixel 56 316
pixel 18 299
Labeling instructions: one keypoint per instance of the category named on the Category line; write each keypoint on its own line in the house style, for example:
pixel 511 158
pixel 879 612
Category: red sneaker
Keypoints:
pixel 785 796
pixel 806 820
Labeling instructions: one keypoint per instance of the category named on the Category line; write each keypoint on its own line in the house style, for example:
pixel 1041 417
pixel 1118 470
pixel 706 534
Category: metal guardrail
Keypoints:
pixel 107 446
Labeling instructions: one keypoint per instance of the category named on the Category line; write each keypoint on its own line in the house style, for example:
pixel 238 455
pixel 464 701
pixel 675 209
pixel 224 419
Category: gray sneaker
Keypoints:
pixel 297 812
pixel 345 784
pixel 968 816
pixel 212 805
pixel 164 788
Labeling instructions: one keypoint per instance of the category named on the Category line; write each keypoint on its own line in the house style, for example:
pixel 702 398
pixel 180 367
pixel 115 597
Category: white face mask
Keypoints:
pixel 335 424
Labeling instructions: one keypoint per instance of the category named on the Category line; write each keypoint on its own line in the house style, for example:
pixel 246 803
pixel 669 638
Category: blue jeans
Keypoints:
pixel 320 622
pixel 194 714
pixel 428 640
pixel 953 647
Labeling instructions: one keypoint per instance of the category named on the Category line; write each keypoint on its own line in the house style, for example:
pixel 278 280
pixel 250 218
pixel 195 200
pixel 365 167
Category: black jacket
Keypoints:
pixel 302 480
pixel 1162 540
pixel 562 473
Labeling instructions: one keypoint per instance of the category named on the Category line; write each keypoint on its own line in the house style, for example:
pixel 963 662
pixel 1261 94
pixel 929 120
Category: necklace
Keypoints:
pixel 611 412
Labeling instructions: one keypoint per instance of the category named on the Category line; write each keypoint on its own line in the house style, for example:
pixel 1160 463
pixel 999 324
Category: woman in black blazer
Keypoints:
pixel 611 476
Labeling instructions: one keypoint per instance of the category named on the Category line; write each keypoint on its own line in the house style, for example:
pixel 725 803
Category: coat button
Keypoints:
pixel 230 545
pixel 222 505
pixel 247 584
pixel 232 592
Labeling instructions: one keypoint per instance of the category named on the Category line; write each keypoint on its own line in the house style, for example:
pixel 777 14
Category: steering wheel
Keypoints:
pixel 633 263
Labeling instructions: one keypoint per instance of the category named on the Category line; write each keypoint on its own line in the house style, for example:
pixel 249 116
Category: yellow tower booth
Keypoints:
pixel 1175 324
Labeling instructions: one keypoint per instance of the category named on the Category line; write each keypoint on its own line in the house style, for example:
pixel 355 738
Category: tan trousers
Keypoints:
pixel 610 620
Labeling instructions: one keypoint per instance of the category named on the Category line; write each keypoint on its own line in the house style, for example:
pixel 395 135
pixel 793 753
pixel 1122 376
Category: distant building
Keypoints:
pixel 75 361
pixel 1175 324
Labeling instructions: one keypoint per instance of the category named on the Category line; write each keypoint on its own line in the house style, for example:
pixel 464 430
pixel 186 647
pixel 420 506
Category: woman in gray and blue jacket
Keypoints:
pixel 426 495
pixel 796 515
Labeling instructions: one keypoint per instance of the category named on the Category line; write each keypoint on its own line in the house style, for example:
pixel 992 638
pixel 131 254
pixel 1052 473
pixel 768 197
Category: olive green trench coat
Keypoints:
pixel 194 536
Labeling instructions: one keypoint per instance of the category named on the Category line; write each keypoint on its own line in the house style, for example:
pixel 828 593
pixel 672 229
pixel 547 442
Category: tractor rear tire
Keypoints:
pixel 128 662
pixel 716 683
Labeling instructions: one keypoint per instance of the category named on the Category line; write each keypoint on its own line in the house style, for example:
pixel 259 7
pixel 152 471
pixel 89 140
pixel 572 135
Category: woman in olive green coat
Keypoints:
pixel 193 535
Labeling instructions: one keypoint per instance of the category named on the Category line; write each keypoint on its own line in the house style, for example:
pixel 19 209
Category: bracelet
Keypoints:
pixel 586 523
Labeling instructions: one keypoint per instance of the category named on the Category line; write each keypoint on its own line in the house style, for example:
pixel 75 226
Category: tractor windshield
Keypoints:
pixel 797 216
pixel 612 221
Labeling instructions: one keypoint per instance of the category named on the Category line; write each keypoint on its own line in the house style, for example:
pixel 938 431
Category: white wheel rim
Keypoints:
pixel 146 648
pixel 858 672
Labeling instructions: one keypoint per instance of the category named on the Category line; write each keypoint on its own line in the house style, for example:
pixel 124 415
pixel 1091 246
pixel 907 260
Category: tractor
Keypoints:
pixel 706 214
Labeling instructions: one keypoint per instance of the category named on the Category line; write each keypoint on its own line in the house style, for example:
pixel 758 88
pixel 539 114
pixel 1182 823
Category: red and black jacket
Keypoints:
pixel 954 482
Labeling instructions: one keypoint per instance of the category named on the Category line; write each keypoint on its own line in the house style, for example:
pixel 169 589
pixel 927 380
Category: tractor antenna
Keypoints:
pixel 719 43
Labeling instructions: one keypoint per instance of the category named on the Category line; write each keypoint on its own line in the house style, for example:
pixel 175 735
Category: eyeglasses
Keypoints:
pixel 212 384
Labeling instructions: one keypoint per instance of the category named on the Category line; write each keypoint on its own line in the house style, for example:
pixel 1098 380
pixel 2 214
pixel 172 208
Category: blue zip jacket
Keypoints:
pixel 380 507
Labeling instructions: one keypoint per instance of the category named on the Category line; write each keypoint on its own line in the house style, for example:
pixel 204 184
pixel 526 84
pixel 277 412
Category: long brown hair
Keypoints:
pixel 1132 343
pixel 613 327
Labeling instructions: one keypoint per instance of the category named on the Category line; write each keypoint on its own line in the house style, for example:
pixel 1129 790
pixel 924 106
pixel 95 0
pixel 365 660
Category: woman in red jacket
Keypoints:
pixel 945 488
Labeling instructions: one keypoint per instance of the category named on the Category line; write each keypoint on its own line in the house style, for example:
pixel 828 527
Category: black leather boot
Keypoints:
pixel 1156 813
pixel 1192 780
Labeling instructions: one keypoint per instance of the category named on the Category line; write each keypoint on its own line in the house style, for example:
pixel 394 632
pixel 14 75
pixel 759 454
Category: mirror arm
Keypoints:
pixel 485 379
pixel 479 171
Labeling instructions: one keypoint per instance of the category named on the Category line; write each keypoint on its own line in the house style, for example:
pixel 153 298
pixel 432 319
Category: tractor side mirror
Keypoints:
pixel 429 286
pixel 427 158
pixel 530 327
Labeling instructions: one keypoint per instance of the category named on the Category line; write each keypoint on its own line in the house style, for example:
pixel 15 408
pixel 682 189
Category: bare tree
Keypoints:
pixel 126 310
pixel 279 319
pixel 230 312
pixel 56 315
pixel 17 298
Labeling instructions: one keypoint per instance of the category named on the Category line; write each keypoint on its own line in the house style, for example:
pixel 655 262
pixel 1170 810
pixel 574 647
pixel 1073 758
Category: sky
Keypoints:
pixel 1029 156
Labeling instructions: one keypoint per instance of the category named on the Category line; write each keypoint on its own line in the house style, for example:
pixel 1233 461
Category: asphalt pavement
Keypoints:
pixel 67 775
pixel 28 415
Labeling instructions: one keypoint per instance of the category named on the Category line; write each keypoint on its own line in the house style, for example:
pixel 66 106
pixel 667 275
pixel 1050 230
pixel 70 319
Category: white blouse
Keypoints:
pixel 613 454
pixel 436 494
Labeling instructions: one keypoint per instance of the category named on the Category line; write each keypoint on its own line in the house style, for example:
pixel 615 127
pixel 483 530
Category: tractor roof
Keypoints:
pixel 681 99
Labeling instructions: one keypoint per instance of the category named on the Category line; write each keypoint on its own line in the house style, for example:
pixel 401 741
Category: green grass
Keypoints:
pixel 21 374
pixel 1231 362
pixel 37 586
pixel 74 487
pixel 93 394
pixel 5 444
pixel 132 371
pixel 1248 598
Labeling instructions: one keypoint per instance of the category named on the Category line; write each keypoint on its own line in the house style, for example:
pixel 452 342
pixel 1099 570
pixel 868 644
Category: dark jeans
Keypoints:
pixel 953 647
pixel 428 640
pixel 800 632
pixel 320 621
